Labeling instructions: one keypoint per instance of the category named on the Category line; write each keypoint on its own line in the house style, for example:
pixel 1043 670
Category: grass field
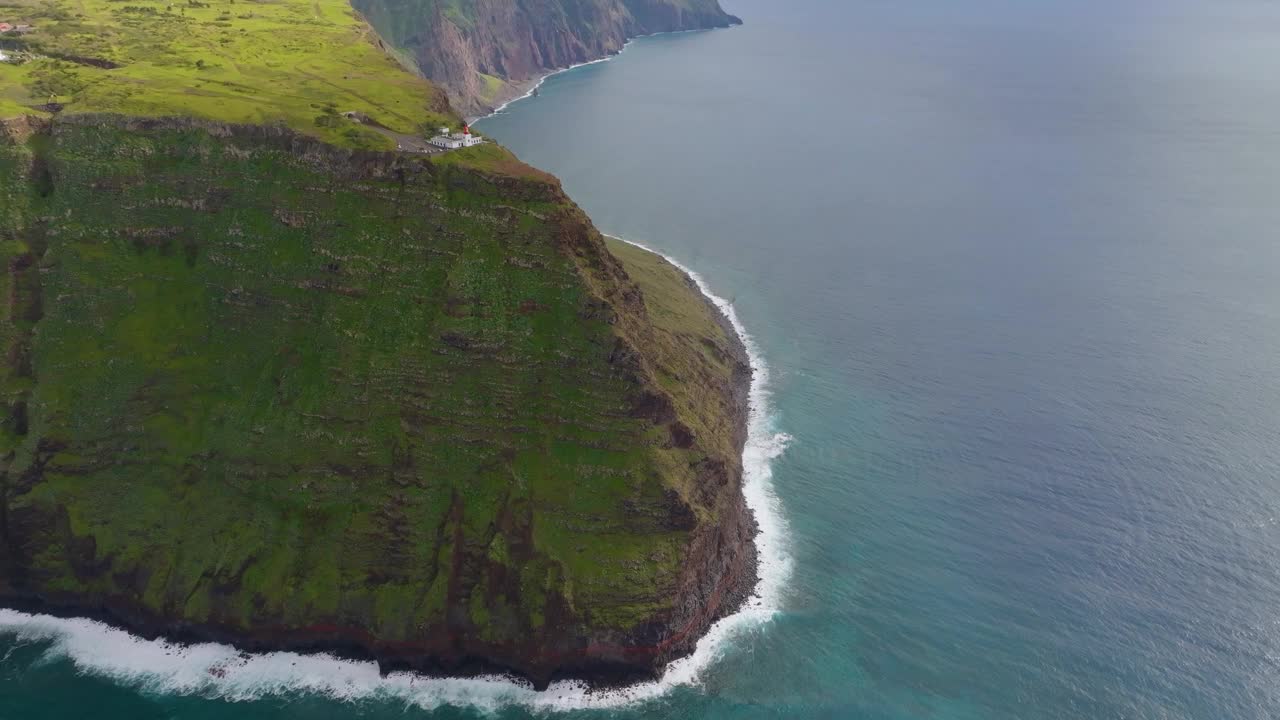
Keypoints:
pixel 296 62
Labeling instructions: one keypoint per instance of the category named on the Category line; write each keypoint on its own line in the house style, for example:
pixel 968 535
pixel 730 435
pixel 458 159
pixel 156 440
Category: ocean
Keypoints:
pixel 1012 272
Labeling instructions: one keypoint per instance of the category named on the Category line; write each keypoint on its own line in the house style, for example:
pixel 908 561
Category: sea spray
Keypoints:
pixel 223 672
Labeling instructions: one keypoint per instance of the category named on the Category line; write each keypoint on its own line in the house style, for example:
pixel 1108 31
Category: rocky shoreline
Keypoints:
pixel 500 50
pixel 517 90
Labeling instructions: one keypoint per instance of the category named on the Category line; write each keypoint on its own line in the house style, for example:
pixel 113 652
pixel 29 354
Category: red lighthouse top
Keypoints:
pixel 466 129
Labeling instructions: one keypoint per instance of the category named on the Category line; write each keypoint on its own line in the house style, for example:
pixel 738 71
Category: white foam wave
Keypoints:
pixel 220 671
pixel 528 94
pixel 543 79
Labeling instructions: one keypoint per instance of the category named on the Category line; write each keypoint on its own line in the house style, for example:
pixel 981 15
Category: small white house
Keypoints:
pixel 453 141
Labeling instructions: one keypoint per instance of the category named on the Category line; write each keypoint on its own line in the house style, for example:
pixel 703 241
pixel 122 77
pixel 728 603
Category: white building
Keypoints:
pixel 454 141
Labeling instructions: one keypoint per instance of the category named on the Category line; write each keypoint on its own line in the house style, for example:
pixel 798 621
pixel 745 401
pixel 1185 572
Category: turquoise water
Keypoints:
pixel 1013 265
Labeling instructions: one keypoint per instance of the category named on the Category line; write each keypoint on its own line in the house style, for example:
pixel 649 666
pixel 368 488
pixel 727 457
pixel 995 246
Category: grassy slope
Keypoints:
pixel 255 388
pixel 286 61
pixel 690 346
pixel 263 401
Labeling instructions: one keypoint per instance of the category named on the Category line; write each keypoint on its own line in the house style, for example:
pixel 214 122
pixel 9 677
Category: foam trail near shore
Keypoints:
pixel 221 671
pixel 529 93
pixel 543 79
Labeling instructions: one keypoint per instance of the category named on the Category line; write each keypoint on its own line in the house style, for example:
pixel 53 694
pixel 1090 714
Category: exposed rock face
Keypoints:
pixel 484 51
pixel 260 390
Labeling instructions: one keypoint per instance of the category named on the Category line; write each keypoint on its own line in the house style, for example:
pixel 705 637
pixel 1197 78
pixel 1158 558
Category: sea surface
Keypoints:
pixel 1013 267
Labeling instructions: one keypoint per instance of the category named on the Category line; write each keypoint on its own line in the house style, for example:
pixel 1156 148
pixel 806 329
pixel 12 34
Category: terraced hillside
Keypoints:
pixel 262 385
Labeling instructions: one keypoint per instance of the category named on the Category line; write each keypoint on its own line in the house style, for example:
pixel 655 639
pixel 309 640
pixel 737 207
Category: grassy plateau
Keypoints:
pixel 270 61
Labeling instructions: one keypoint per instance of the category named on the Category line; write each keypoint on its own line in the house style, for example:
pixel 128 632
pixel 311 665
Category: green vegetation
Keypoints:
pixel 249 388
pixel 493 158
pixel 10 108
pixel 490 88
pixel 262 382
pixel 256 61
pixel 666 295
pixel 691 346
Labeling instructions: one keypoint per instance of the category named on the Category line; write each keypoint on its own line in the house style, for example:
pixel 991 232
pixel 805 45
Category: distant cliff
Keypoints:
pixel 486 51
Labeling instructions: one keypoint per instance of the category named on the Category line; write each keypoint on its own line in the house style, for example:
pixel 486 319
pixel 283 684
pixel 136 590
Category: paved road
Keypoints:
pixel 407 143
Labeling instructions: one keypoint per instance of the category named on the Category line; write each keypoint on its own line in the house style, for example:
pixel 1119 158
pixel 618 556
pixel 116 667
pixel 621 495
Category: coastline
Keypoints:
pixel 205 662
pixel 763 444
pixel 525 90
pixel 680 644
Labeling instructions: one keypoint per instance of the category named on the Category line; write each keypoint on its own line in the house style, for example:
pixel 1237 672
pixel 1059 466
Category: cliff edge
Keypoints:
pixel 266 391
pixel 267 382
pixel 486 52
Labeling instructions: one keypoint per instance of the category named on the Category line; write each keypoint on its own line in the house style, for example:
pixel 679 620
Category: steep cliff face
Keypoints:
pixel 484 51
pixel 264 390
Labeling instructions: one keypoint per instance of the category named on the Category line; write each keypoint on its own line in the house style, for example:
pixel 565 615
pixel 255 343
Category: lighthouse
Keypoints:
pixel 452 141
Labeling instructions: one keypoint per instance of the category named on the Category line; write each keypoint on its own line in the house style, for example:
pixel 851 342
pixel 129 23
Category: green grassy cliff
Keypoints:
pixel 263 386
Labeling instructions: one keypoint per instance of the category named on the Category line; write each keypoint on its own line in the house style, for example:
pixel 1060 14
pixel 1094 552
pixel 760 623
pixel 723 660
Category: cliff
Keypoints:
pixel 484 52
pixel 264 390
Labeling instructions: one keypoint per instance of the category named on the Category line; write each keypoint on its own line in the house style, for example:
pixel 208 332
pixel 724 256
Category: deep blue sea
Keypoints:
pixel 1014 269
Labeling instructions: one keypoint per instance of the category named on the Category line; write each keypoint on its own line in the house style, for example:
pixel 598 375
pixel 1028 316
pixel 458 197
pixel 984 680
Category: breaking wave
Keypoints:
pixel 223 672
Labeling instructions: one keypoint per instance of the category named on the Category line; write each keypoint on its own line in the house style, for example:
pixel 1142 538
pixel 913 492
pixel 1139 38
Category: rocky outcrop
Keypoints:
pixel 261 390
pixel 487 51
